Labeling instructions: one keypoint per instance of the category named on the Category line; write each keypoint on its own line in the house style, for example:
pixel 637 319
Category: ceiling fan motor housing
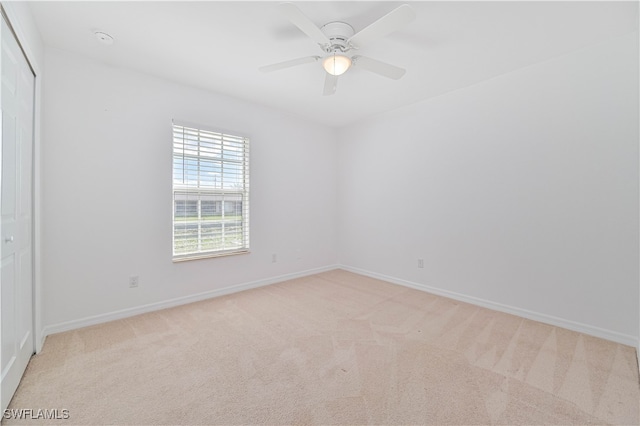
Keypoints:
pixel 339 33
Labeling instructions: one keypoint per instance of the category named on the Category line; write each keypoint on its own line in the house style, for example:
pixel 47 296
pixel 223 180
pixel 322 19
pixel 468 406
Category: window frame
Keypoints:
pixel 217 195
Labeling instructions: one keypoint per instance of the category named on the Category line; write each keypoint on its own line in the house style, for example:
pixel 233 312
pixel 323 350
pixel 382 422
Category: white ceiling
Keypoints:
pixel 219 46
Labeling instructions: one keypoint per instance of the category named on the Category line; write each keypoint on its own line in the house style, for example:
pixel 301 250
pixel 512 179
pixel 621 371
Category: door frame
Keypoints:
pixel 11 12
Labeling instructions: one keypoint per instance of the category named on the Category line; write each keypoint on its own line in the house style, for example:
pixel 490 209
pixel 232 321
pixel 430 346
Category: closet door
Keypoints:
pixel 16 209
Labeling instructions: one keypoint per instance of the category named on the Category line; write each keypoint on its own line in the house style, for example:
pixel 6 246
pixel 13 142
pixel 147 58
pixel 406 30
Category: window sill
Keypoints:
pixel 185 258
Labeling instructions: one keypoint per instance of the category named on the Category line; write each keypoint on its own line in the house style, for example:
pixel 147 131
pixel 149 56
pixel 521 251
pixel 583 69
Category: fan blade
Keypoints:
pixel 287 64
pixel 330 84
pixel 382 68
pixel 301 21
pixel 389 23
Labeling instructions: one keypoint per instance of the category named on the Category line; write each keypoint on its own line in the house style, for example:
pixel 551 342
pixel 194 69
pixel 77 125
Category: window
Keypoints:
pixel 210 193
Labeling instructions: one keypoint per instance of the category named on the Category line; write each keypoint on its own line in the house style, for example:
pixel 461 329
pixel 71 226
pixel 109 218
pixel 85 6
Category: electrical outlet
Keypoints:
pixel 420 263
pixel 274 258
pixel 134 281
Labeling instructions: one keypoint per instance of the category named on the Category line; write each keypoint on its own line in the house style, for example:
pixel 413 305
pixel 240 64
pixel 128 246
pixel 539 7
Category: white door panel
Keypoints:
pixel 16 216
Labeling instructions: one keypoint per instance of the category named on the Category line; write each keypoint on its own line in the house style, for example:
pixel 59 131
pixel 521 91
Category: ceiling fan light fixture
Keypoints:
pixel 336 64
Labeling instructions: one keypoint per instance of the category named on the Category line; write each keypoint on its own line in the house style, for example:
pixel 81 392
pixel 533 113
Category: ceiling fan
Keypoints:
pixel 338 39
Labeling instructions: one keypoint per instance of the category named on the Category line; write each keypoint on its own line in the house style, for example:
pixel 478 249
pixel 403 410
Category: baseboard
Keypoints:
pixel 129 312
pixel 614 336
pixel 535 316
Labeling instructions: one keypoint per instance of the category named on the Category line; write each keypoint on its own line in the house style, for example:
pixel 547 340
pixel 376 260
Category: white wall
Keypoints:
pixel 107 191
pixel 520 192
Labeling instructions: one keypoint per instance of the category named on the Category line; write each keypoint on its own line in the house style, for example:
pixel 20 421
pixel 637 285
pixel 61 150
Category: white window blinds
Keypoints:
pixel 210 193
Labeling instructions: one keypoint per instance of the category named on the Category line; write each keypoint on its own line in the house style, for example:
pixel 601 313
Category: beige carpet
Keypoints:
pixel 334 348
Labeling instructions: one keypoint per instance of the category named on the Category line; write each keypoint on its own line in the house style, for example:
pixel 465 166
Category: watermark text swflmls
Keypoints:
pixel 35 414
